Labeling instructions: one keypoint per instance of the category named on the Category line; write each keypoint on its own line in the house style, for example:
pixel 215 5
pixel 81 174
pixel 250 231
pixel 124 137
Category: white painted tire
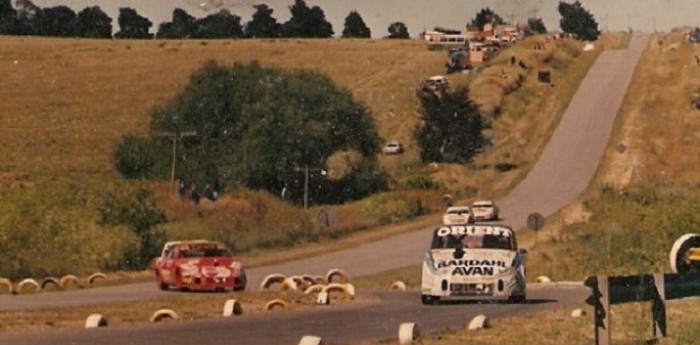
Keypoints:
pixel 50 280
pixel 322 298
pixel 337 287
pixel 310 340
pixel 309 279
pixel 316 288
pixel 543 279
pixel 288 284
pixel 95 321
pixel 320 279
pixel 478 322
pixel 232 308
pixel 675 256
pixel 163 314
pixel 8 283
pixel 336 272
pixel 276 302
pixel 350 289
pixel 408 333
pixel 28 282
pixel 398 286
pixel 578 313
pixel 68 278
pixel 274 278
pixel 99 275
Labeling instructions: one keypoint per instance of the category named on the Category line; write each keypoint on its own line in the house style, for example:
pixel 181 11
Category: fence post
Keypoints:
pixel 658 307
pixel 601 313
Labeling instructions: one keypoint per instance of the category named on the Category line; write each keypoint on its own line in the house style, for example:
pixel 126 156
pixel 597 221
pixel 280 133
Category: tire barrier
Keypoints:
pixel 309 279
pixel 478 322
pixel 350 289
pixel 67 279
pixel 578 313
pixel 314 289
pixel 685 254
pixel 310 340
pixel 28 281
pixel 543 279
pixel 322 298
pixel 163 314
pixel 50 281
pixel 274 278
pixel 320 279
pixel 336 272
pixel 232 308
pixel 408 333
pixel 276 302
pixel 95 321
pixel 7 283
pixel 99 275
pixel 288 284
pixel 339 287
pixel 398 286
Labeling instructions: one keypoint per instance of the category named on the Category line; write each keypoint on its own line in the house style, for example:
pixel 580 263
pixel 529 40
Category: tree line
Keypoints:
pixel 93 22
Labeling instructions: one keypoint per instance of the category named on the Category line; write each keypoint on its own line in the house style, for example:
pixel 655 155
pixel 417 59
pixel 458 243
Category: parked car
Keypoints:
pixel 198 265
pixel 485 210
pixel 455 215
pixel 392 148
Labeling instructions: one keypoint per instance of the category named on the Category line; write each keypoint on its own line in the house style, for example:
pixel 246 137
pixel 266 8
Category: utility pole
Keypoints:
pixel 306 170
pixel 174 137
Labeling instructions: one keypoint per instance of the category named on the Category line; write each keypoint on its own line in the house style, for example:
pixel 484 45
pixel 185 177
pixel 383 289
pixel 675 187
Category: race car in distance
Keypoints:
pixel 458 215
pixel 198 265
pixel 485 210
pixel 473 262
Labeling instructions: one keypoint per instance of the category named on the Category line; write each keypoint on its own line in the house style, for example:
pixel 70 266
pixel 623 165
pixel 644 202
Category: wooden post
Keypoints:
pixel 175 136
pixel 601 314
pixel 658 307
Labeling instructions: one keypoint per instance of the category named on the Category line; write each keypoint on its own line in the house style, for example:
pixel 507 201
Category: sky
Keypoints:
pixel 419 15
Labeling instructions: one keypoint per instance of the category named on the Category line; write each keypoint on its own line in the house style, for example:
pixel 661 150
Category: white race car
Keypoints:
pixel 485 210
pixel 473 262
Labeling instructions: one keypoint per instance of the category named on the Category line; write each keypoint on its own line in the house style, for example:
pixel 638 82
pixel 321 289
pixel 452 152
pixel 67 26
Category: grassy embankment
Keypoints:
pixel 408 62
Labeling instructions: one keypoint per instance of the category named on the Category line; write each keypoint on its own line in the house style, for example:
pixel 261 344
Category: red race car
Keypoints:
pixel 199 265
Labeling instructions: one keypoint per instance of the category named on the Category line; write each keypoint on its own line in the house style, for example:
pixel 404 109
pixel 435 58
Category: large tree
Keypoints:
pixel 222 24
pixel 92 22
pixel 355 27
pixel 535 25
pixel 398 30
pixel 578 21
pixel 59 21
pixel 132 25
pixel 486 16
pixel 452 128
pixel 8 18
pixel 258 128
pixel 182 26
pixel 307 22
pixel 263 24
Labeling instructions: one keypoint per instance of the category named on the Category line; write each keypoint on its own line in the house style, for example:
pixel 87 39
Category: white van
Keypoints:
pixel 473 262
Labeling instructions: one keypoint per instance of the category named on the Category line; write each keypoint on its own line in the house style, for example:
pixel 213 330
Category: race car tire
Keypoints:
pixel 429 300
pixel 408 333
pixel 243 283
pixel 162 314
pixel 679 251
pixel 28 281
pixel 517 299
pixel 50 280
pixel 163 286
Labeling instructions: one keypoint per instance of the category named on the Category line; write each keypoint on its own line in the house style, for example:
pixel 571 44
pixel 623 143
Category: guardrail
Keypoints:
pixel 655 288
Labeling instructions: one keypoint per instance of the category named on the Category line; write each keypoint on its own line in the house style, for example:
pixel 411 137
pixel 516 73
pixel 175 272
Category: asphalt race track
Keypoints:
pixel 561 174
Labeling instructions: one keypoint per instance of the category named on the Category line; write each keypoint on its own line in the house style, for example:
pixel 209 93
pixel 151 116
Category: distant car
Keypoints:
pixel 199 265
pixel 485 210
pixel 392 148
pixel 434 83
pixel 455 215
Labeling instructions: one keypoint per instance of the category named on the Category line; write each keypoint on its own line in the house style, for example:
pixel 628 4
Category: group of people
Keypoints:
pixel 193 194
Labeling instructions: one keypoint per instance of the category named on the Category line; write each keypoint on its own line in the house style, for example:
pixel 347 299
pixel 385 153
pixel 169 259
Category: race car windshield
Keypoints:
pixel 203 252
pixel 473 242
